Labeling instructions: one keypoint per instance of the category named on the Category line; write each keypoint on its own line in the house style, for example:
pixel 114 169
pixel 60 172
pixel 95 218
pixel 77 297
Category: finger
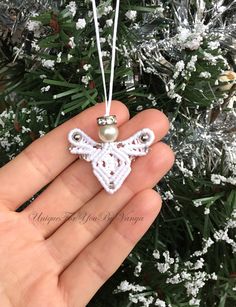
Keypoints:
pixel 77 184
pixel 95 264
pixel 87 223
pixel 48 156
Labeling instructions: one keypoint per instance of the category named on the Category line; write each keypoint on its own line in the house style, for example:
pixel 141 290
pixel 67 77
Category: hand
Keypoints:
pixel 47 259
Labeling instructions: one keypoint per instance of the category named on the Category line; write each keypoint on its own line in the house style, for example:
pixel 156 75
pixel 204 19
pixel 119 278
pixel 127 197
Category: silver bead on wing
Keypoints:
pixel 111 161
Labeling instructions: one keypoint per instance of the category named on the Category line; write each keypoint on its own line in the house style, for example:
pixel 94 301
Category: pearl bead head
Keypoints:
pixel 108 133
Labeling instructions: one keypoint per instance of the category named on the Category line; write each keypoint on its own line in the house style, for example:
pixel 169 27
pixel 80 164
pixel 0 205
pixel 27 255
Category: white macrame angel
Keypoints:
pixel 111 161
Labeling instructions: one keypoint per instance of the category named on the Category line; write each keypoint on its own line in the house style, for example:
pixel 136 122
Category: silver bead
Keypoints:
pixel 77 137
pixel 108 133
pixel 144 137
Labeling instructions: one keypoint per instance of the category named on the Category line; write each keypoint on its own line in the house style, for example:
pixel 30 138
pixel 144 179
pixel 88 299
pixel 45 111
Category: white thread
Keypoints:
pixel 108 98
pixel 111 162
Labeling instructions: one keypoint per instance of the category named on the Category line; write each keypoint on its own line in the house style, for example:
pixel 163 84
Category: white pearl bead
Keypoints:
pixel 108 133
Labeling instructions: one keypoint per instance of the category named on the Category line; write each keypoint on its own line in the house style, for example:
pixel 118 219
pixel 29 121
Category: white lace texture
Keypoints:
pixel 111 161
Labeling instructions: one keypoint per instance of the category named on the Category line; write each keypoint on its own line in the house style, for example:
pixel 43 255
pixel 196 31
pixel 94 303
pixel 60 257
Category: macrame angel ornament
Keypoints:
pixel 111 160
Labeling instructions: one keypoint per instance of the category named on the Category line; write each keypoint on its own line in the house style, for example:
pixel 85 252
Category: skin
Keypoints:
pixel 63 262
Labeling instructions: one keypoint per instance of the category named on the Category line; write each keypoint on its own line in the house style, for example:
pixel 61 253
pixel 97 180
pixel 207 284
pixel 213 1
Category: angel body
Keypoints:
pixel 111 161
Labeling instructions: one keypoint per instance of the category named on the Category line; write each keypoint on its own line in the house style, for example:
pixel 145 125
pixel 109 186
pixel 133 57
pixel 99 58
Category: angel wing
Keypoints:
pixel 83 145
pixel 137 144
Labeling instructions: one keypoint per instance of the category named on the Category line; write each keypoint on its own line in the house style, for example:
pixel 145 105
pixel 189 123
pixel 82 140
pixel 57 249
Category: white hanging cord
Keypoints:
pixel 107 101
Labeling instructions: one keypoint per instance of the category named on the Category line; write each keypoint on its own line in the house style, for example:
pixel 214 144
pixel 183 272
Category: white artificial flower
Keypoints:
pixel 138 269
pixel 215 179
pixel 59 57
pixel 107 9
pixel 126 286
pixel 214 45
pixel 80 24
pixel 34 26
pixel 105 53
pixel 205 75
pixel 35 46
pixel 191 64
pixel 109 22
pixel 72 8
pixel 156 254
pixel 72 42
pixel 85 79
pixel 131 15
pixel 160 303
pixel 102 40
pixel 25 130
pixel 41 133
pixel 45 89
pixel 48 64
pixel 194 302
pixel 87 67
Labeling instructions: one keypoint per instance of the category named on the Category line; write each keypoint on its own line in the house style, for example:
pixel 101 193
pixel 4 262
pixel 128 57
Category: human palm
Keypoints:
pixel 74 235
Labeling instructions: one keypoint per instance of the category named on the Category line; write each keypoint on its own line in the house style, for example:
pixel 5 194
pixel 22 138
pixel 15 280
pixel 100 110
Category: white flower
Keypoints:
pixel 191 64
pixel 167 257
pixel 87 67
pixel 215 179
pixel 156 254
pixel 176 279
pixel 190 39
pixel 105 53
pixel 69 56
pixel 80 24
pixel 102 40
pixel 194 302
pixel 109 22
pixel 45 89
pixel 214 45
pixel 179 66
pixel 72 42
pixel 107 9
pixel 85 79
pixel 168 195
pixel 126 286
pixel 163 267
pixel 160 303
pixel 59 57
pixel 34 26
pixel 72 8
pixel 131 15
pixel 205 74
pixel 197 202
pixel 24 129
pixel 185 275
pixel 207 211
pixel 138 269
pixel 214 276
pixel 35 46
pixel 199 264
pixel 41 133
pixel 48 64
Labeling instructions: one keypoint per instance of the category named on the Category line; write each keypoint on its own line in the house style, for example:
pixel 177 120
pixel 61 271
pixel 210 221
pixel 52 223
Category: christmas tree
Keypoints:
pixel 176 56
